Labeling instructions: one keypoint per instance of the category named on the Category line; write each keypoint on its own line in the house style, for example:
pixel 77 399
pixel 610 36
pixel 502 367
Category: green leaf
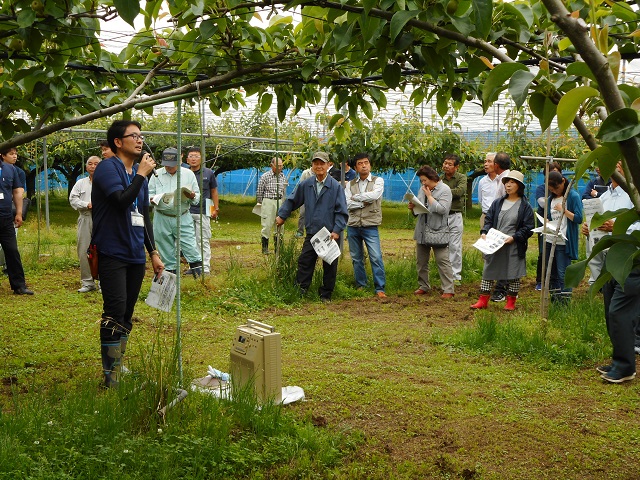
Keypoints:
pixel 265 102
pixel 85 86
pixel 580 69
pixel 624 12
pixel 624 221
pixel 543 108
pixel 574 273
pixel 594 157
pixel 496 82
pixel 483 10
pixel 442 103
pixel 26 17
pixel 570 104
pixel 619 260
pixel 564 44
pixel 399 20
pixel 368 5
pixel 620 125
pixel 519 86
pixel 127 9
pixel 335 119
pixel 631 92
pixel 391 74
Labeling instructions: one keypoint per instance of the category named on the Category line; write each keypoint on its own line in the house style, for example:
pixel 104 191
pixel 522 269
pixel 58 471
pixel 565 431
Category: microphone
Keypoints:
pixel 151 154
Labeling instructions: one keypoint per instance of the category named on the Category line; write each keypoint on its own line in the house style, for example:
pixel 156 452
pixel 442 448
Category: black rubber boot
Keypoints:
pixel 110 350
pixel 265 246
pixel 196 269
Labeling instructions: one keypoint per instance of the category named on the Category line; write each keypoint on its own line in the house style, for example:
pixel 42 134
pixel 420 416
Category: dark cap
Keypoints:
pixel 170 157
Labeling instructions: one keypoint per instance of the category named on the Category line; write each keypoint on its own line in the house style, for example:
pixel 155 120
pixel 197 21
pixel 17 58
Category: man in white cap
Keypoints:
pixel 325 206
pixel 162 194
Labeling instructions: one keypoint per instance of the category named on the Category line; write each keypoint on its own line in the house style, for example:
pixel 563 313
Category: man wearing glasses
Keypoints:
pixel 200 217
pixel 121 231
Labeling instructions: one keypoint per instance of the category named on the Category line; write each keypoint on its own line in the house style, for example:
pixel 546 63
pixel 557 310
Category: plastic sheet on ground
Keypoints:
pixel 218 384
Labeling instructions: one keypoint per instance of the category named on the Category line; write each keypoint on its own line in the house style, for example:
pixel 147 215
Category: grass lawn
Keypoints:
pixel 400 388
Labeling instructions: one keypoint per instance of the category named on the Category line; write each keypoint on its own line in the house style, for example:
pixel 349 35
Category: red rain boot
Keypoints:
pixel 482 302
pixel 511 303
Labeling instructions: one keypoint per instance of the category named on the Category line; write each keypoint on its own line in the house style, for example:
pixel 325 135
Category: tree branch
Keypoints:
pixel 578 32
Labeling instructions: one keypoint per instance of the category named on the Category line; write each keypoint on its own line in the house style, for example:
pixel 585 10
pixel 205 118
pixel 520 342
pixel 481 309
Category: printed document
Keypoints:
pixel 162 292
pixel 550 230
pixel 325 246
pixel 494 242
pixel 418 205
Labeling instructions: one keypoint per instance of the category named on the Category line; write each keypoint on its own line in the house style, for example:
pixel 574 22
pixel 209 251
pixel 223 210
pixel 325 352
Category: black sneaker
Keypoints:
pixel 615 376
pixel 498 297
pixel 602 369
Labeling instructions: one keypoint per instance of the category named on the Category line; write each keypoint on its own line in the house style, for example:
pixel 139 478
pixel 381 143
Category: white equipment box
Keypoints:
pixel 255 357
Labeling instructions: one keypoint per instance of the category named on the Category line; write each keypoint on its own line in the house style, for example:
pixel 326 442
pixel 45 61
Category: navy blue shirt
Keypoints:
pixel 209 182
pixel 113 232
pixel 9 180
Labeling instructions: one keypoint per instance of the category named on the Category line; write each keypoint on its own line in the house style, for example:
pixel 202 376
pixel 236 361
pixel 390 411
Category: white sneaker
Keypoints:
pixel 87 288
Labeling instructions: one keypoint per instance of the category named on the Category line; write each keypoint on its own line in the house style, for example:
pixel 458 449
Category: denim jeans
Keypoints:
pixel 561 261
pixel 368 236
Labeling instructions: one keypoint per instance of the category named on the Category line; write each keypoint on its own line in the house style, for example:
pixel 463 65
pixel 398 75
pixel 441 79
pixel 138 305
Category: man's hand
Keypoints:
pixel 584 229
pixel 410 206
pixel 18 220
pixel 146 165
pixel 606 226
pixel 279 221
pixel 156 263
pixel 335 236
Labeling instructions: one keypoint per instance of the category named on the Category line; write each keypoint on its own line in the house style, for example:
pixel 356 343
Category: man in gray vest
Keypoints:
pixel 364 200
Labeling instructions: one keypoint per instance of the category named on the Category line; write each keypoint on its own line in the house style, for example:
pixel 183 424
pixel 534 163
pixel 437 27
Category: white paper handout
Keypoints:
pixel 494 242
pixel 418 206
pixel 325 246
pixel 551 228
pixel 591 206
pixel 257 209
pixel 168 197
pixel 162 292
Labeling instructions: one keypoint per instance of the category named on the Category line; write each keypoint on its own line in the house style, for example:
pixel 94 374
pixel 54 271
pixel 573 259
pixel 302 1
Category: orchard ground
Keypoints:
pixel 399 373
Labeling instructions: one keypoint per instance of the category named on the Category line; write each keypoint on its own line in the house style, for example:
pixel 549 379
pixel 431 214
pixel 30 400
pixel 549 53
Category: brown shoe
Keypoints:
pixel 380 295
pixel 420 292
pixel 447 295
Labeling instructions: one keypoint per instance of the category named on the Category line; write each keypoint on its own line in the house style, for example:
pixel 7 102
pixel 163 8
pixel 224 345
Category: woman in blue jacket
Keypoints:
pixel 570 219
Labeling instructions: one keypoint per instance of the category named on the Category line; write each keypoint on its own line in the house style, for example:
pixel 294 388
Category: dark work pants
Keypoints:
pixel 11 254
pixel 539 265
pixel 120 283
pixel 306 266
pixel 621 309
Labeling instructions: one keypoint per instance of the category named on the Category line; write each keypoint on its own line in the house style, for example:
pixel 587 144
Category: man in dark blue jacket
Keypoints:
pixel 325 206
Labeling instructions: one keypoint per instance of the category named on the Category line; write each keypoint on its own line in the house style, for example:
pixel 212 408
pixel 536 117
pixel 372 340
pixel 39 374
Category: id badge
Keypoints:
pixel 137 219
pixel 1 196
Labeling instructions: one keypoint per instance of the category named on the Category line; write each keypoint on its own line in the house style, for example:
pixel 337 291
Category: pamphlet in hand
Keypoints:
pixel 418 205
pixel 591 206
pixel 167 198
pixel 551 229
pixel 325 246
pixel 257 209
pixel 492 243
pixel 162 292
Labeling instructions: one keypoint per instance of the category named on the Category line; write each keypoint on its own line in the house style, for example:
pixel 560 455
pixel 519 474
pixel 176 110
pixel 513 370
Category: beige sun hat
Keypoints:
pixel 514 175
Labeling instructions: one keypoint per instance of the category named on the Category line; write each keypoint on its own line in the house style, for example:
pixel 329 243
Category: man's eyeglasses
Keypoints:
pixel 135 136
